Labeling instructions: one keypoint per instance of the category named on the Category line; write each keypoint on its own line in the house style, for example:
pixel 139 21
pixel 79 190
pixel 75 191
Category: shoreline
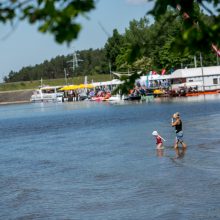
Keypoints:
pixel 23 96
pixel 14 102
pixel 15 97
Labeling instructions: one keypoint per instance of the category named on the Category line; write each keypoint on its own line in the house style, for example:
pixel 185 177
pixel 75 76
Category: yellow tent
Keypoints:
pixel 86 86
pixel 158 92
pixel 75 87
pixel 71 87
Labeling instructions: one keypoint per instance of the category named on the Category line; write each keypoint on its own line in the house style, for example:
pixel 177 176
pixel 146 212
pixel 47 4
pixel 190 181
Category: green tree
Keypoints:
pixel 113 47
pixel 196 31
pixel 137 39
pixel 169 58
pixel 93 62
pixel 135 45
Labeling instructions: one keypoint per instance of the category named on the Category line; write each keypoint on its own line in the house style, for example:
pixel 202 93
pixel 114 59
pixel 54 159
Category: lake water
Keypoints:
pixel 98 161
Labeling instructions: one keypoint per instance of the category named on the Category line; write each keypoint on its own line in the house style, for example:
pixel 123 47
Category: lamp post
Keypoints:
pixel 195 62
pixel 203 86
pixel 65 76
pixel 110 69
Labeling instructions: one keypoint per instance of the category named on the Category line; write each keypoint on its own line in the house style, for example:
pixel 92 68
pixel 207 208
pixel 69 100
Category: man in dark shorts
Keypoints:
pixel 177 123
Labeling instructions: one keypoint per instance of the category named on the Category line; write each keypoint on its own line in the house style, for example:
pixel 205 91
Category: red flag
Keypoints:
pixel 178 7
pixel 163 71
pixel 216 49
pixel 185 15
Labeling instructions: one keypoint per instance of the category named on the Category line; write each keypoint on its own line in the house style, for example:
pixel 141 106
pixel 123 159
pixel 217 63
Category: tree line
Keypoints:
pixel 144 45
pixel 92 61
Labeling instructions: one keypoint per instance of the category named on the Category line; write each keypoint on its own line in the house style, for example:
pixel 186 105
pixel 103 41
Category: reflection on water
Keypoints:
pixel 160 152
pixel 180 152
pixel 97 161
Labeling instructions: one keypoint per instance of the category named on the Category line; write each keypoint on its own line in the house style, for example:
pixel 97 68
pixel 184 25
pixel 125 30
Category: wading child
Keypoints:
pixel 159 142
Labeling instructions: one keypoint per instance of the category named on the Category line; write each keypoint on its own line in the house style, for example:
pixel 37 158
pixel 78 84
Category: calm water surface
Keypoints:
pixel 98 161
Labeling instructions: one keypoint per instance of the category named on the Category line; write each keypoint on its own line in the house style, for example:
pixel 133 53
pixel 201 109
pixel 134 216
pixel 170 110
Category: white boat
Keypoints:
pixel 47 94
pixel 116 98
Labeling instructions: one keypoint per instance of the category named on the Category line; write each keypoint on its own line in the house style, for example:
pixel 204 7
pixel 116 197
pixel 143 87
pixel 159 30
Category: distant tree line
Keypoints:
pixel 143 46
pixel 90 62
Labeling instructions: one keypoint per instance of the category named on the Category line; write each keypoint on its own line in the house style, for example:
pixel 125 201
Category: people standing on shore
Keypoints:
pixel 177 123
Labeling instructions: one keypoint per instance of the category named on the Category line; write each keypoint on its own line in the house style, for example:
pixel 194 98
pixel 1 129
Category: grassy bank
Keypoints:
pixel 52 82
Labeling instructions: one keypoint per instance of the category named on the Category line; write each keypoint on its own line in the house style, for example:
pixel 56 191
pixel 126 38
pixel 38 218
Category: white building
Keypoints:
pixel 205 78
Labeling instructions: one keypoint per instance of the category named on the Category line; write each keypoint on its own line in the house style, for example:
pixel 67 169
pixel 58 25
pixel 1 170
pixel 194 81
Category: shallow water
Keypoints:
pixel 98 161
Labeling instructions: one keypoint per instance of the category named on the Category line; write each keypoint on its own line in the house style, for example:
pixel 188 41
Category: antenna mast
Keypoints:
pixel 74 61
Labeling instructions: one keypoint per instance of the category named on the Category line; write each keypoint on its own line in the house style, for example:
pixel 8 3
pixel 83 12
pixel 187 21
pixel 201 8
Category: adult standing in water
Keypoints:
pixel 177 123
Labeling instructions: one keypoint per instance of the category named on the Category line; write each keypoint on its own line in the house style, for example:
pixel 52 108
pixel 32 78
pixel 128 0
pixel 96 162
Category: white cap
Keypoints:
pixel 176 115
pixel 155 133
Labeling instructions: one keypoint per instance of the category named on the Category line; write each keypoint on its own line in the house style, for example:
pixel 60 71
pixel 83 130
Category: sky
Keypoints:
pixel 25 46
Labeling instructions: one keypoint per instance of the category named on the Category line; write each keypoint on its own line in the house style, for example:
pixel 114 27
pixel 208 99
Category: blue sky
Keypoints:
pixel 24 46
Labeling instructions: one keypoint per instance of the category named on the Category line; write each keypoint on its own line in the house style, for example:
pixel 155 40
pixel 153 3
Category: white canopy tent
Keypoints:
pixel 107 83
pixel 151 79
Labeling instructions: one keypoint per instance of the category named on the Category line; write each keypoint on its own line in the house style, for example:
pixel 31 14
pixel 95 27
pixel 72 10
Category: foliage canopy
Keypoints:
pixel 57 17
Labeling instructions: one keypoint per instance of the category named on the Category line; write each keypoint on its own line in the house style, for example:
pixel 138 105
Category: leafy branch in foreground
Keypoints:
pixel 57 17
pixel 196 31
pixel 128 84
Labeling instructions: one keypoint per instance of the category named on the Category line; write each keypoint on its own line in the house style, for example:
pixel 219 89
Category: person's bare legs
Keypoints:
pixel 177 152
pixel 160 146
pixel 180 152
pixel 183 144
pixel 176 144
pixel 183 151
